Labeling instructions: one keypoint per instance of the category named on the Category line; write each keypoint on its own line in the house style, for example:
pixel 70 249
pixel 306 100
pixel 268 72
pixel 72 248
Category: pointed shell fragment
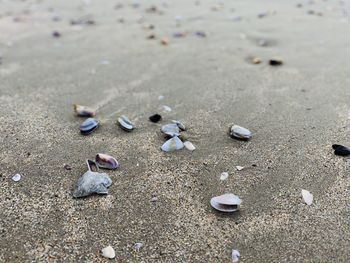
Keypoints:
pixel 108 252
pixel 307 197
pixel 172 144
pixel 106 161
pixel 88 126
pixel 171 129
pixel 240 133
pixel 83 111
pixel 125 123
pixel 92 183
pixel 189 146
pixel 226 203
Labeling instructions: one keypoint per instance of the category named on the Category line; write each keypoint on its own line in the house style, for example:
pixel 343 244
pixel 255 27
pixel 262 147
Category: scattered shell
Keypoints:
pixel 307 196
pixel 155 118
pixel 189 146
pixel 341 150
pixel 138 246
pixel 275 62
pixel 235 256
pixel 88 126
pixel 256 60
pixel 224 176
pixel 67 167
pixel 106 161
pixel 180 125
pixel 171 130
pixel 172 144
pixel 16 177
pixel 226 203
pixel 125 123
pixel 164 41
pixel 239 168
pixel 241 133
pixel 180 34
pixel 83 111
pixel 92 165
pixel 108 252
pixel 166 108
pixel 92 183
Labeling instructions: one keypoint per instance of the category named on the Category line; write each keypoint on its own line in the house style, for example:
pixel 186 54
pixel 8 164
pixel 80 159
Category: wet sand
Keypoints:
pixel 296 112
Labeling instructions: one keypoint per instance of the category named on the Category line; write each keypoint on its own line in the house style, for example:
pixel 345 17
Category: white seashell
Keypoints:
pixel 307 196
pixel 172 144
pixel 241 133
pixel 235 256
pixel 16 177
pixel 166 108
pixel 108 252
pixel 239 168
pixel 226 203
pixel 224 176
pixel 189 146
pixel 138 246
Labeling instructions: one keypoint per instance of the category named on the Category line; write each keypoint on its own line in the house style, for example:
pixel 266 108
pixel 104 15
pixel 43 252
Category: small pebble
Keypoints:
pixel 275 62
pixel 16 177
pixel 239 168
pixel 224 176
pixel 56 34
pixel 108 252
pixel 164 41
pixel 138 246
pixel 189 146
pixel 155 118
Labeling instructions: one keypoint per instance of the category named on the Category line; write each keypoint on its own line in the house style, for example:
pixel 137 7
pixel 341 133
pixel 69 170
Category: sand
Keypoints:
pixel 296 112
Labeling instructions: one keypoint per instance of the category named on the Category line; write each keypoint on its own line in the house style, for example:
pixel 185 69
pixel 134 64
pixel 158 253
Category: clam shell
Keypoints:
pixel 226 203
pixel 171 130
pixel 92 183
pixel 189 146
pixel 241 133
pixel 172 144
pixel 341 150
pixel 83 111
pixel 180 125
pixel 106 161
pixel 88 126
pixel 125 123
pixel 92 165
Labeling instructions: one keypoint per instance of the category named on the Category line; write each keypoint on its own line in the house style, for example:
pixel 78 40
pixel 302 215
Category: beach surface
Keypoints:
pixel 296 111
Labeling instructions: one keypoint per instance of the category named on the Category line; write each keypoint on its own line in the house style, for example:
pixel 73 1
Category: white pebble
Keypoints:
pixel 16 177
pixel 235 256
pixel 108 252
pixel 189 146
pixel 166 108
pixel 239 168
pixel 224 176
pixel 307 197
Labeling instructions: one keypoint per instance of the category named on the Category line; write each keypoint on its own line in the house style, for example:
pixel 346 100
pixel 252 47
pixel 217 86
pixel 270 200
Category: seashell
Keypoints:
pixel 138 246
pixel 108 252
pixel 307 197
pixel 171 130
pixel 92 165
pixel 341 150
pixel 172 144
pixel 189 146
pixel 235 255
pixel 92 183
pixel 16 177
pixel 155 118
pixel 105 161
pixel 125 123
pixel 239 132
pixel 180 125
pixel 226 203
pixel 239 168
pixel 164 41
pixel 88 126
pixel 223 176
pixel 83 111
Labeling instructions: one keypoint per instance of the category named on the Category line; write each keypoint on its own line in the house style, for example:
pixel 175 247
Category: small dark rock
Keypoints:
pixel 275 62
pixel 56 34
pixel 341 150
pixel 155 118
pixel 67 167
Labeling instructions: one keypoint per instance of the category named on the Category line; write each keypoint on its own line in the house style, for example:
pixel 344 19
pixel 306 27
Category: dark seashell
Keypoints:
pixel 275 62
pixel 172 144
pixel 171 129
pixel 106 161
pixel 92 183
pixel 92 165
pixel 155 118
pixel 226 203
pixel 341 150
pixel 125 123
pixel 240 133
pixel 88 126
pixel 83 111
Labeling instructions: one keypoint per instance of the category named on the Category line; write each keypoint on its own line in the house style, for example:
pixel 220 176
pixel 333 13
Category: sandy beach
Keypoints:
pixel 295 111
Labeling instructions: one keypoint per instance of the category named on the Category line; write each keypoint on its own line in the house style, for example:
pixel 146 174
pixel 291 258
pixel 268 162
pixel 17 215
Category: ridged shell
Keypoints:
pixel 125 123
pixel 83 111
pixel 92 183
pixel 171 130
pixel 241 133
pixel 226 203
pixel 88 126
pixel 106 161
pixel 172 144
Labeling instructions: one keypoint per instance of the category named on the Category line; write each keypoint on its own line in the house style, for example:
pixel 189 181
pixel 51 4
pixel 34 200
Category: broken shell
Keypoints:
pixel 155 118
pixel 341 150
pixel 125 123
pixel 275 62
pixel 239 132
pixel 16 177
pixel 235 256
pixel 226 203
pixel 92 183
pixel 88 126
pixel 171 130
pixel 108 252
pixel 189 146
pixel 106 161
pixel 239 168
pixel 307 196
pixel 172 144
pixel 92 165
pixel 180 125
pixel 223 176
pixel 83 111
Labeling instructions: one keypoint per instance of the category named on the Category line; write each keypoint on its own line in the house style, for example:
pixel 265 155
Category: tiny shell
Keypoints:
pixel 240 133
pixel 239 168
pixel 138 246
pixel 16 177
pixel 92 183
pixel 125 123
pixel 165 41
pixel 92 165
pixel 171 130
pixel 166 108
pixel 106 161
pixel 180 125
pixel 189 146
pixel 83 111
pixel 88 126
pixel 223 176
pixel 226 203
pixel 307 197
pixel 172 144
pixel 108 252
pixel 235 256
